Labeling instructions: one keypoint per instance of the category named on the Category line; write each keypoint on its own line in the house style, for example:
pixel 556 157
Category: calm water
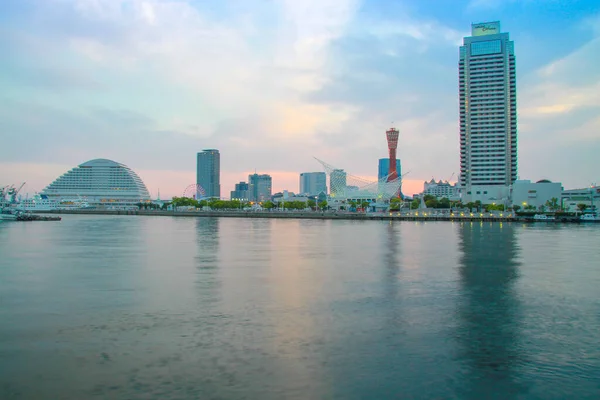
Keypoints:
pixel 167 308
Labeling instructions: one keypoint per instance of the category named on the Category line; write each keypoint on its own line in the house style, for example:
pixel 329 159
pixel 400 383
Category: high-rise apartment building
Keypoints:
pixel 208 173
pixel 259 187
pixel 313 183
pixel 488 113
pixel 384 167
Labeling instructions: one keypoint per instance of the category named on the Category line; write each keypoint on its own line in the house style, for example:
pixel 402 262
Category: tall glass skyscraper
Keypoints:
pixel 208 173
pixel 488 110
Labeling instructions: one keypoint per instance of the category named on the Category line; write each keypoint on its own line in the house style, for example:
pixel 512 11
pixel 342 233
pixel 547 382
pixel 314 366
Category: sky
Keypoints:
pixel 274 83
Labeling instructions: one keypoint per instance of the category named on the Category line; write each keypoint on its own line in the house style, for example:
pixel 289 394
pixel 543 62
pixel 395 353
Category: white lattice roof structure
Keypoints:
pixel 343 186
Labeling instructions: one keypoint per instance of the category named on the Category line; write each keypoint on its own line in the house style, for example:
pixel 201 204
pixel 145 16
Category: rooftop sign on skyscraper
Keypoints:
pixel 485 28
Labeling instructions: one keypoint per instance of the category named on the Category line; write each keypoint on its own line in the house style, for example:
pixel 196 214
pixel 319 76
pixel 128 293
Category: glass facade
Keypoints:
pixel 259 187
pixel 313 183
pixel 384 167
pixel 208 174
pixel 488 47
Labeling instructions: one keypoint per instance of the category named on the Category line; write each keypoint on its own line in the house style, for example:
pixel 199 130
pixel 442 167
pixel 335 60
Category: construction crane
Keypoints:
pixel 12 193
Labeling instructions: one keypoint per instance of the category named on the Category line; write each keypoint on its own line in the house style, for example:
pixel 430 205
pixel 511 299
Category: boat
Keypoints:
pixel 589 218
pixel 7 214
pixel 543 217
pixel 37 203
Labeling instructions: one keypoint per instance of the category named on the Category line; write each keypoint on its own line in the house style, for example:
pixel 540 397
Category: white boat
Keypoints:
pixel 589 218
pixel 37 203
pixel 543 217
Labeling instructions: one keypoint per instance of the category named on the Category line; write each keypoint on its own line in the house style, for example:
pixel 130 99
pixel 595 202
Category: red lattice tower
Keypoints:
pixel 392 140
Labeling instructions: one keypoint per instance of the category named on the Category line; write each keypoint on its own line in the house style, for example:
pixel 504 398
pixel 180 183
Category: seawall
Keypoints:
pixel 293 215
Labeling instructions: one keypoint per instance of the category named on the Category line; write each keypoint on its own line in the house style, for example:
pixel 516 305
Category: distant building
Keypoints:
pixel 285 196
pixel 313 183
pixel 526 193
pixel 588 196
pixel 240 192
pixel 337 183
pixel 259 187
pixel 441 189
pixel 208 173
pixel 384 166
pixel 100 183
pixel 488 114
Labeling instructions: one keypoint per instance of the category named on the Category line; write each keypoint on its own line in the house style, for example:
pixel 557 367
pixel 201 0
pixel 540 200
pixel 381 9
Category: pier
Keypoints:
pixel 357 216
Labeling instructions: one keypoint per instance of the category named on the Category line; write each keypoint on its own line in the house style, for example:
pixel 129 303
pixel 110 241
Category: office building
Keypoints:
pixel 100 183
pixel 313 183
pixel 259 187
pixel 384 166
pixel 208 173
pixel 488 114
pixel 240 192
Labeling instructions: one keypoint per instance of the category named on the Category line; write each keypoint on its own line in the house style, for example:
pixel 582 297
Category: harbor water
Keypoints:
pixel 133 307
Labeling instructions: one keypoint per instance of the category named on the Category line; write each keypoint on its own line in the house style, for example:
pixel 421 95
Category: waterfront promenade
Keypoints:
pixel 341 215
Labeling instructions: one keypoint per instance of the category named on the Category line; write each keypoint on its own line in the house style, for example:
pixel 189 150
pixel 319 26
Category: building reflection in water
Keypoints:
pixel 391 260
pixel 488 323
pixel 207 259
pixel 207 238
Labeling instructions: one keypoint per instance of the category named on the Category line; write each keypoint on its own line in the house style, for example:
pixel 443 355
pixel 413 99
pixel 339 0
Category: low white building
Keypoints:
pixel 588 196
pixel 526 193
pixel 486 194
pixel 288 197
pixel 441 189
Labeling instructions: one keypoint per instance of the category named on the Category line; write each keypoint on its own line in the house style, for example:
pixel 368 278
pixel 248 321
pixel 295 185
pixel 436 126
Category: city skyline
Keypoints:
pixel 113 79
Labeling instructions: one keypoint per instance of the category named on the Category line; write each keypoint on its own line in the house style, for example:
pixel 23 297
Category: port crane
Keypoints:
pixel 12 192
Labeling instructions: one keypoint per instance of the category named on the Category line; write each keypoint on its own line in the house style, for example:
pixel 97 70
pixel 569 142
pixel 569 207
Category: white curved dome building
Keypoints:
pixel 100 182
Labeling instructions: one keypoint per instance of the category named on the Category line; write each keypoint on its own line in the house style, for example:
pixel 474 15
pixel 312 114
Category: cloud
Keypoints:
pixel 271 84
pixel 560 117
pixel 172 79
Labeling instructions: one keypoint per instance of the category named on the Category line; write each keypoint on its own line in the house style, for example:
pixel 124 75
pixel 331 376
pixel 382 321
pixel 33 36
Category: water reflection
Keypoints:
pixel 207 240
pixel 391 260
pixel 488 312
pixel 207 237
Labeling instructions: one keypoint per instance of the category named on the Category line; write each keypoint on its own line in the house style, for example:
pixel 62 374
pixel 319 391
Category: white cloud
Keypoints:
pixel 564 85
pixel 271 84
